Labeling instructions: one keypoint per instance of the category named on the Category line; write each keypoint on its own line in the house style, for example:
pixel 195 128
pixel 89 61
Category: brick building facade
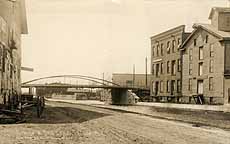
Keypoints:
pixel 206 60
pixel 12 25
pixel 166 63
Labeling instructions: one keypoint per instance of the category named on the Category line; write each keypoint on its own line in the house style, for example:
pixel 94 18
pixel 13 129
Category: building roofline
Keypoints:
pixel 169 31
pixel 211 13
pixel 218 9
pixel 129 74
pixel 196 27
pixel 188 38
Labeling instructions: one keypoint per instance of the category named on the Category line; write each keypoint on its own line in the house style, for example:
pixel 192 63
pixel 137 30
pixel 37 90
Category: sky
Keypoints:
pixel 92 37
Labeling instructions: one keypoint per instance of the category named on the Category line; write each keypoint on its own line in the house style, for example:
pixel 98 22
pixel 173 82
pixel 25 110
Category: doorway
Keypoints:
pixel 156 88
pixel 172 87
pixel 228 95
pixel 200 87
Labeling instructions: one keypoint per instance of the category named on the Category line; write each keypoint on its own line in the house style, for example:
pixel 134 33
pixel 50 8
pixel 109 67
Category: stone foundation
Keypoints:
pixel 188 100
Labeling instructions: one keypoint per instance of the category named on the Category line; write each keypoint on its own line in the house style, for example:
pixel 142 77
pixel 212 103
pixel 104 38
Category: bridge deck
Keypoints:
pixel 81 86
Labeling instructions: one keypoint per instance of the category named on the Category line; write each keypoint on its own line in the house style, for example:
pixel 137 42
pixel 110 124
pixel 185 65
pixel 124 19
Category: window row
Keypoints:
pixel 172 67
pixel 206 40
pixel 169 86
pixel 158 50
pixel 201 67
pixel 201 52
pixel 210 82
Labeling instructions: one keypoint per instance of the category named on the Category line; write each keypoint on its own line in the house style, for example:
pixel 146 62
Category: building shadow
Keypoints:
pixel 59 115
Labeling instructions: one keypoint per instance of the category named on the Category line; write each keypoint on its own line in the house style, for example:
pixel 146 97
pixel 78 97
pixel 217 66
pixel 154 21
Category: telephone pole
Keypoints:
pixel 103 77
pixel 133 75
pixel 146 72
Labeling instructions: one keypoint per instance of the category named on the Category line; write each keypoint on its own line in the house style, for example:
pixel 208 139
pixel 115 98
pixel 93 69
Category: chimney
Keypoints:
pixel 220 18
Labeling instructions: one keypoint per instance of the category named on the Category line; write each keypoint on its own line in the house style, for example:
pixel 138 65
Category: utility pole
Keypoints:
pixel 146 72
pixel 103 77
pixel 133 75
pixel 12 17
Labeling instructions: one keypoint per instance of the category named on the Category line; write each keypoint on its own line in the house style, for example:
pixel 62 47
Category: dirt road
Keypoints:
pixel 81 124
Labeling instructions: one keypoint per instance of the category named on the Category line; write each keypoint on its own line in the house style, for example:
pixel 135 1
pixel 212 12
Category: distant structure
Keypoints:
pixel 13 23
pixel 166 64
pixel 134 80
pixel 129 80
pixel 206 60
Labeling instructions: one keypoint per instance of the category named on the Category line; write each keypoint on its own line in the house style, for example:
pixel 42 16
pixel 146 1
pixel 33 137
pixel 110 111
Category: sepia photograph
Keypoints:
pixel 114 71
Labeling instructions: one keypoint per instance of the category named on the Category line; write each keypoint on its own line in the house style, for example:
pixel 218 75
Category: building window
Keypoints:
pixel 227 60
pixel 173 45
pixel 153 69
pixel 178 86
pixel 211 66
pixel 1 55
pixel 173 67
pixel 190 84
pixel 201 53
pixel 129 82
pixel 178 44
pixel 173 87
pixel 190 68
pixel 206 39
pixel 168 67
pixel 211 50
pixel 194 42
pixel 11 70
pixel 168 85
pixel 8 66
pixel 178 65
pixel 211 84
pixel 153 50
pixel 158 50
pixel 4 62
pixel 153 87
pixel 162 49
pixel 200 72
pixel 190 54
pixel 162 68
pixel 168 47
pixel 157 69
pixel 162 86
pixel 178 41
pixel 228 21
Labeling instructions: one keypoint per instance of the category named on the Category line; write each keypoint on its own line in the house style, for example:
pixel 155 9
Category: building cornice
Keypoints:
pixel 178 29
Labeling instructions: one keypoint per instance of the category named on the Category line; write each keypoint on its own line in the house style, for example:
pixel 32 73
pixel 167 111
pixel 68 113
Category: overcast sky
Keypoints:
pixel 90 37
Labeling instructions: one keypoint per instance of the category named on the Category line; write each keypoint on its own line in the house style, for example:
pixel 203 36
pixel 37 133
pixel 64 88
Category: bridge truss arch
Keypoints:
pixel 81 77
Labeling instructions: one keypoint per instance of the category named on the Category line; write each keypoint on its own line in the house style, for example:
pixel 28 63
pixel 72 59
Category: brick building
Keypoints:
pixel 12 24
pixel 206 60
pixel 166 64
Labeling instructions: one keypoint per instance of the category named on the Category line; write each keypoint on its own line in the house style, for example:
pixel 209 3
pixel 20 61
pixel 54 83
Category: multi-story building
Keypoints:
pixel 166 64
pixel 12 25
pixel 206 60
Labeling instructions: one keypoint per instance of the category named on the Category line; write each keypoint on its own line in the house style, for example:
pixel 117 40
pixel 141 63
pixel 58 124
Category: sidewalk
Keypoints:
pixel 224 108
pixel 220 108
pixel 197 115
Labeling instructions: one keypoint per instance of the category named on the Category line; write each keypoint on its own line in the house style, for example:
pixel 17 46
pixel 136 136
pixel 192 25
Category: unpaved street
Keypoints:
pixel 71 123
